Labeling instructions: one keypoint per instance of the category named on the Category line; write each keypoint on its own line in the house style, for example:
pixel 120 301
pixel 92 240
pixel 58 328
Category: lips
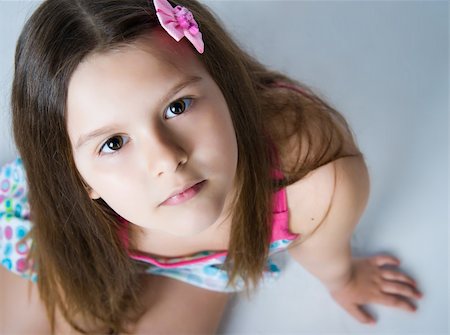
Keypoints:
pixel 185 194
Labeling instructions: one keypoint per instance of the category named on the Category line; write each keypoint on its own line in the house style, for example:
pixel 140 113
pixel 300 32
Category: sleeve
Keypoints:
pixel 15 220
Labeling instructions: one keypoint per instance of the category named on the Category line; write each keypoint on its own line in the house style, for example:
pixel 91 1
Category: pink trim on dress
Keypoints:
pixel 153 261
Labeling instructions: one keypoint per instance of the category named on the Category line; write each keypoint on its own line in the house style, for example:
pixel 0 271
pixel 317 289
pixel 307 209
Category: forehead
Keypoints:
pixel 154 54
pixel 133 77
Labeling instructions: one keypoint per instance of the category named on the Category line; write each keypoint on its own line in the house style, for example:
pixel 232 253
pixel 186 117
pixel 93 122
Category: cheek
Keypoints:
pixel 123 194
pixel 221 141
pixel 113 184
pixel 225 133
pixel 106 182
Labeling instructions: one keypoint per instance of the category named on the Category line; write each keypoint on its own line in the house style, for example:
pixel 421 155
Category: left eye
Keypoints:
pixel 179 106
pixel 115 143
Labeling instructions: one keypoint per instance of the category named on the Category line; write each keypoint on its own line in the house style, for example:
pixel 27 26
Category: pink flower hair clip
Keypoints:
pixel 179 22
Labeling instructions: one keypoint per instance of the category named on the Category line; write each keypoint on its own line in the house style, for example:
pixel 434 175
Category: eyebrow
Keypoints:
pixel 186 81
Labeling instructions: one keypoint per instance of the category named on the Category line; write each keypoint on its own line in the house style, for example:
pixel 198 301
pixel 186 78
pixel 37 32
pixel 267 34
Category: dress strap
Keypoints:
pixel 291 87
pixel 279 196
pixel 280 221
pixel 280 201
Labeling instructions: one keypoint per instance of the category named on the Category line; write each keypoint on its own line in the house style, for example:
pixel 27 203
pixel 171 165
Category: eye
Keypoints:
pixel 114 143
pixel 179 106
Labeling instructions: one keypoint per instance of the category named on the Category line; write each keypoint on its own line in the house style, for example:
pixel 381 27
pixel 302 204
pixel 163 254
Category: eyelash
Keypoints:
pixel 100 153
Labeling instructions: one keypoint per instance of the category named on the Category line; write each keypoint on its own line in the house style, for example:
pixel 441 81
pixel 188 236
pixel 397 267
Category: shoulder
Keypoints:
pixel 310 198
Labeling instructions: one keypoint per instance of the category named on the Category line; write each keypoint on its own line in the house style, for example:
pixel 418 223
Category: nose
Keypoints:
pixel 162 153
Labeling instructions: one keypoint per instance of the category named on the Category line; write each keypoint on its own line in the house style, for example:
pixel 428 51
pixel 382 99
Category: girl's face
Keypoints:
pixel 143 125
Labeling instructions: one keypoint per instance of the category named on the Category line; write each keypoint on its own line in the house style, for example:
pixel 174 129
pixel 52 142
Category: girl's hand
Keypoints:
pixel 369 283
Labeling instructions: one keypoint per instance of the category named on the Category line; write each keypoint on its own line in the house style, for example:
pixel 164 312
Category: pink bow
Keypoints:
pixel 179 22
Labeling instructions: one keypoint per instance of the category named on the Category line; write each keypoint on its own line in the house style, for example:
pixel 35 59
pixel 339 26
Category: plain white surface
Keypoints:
pixel 384 65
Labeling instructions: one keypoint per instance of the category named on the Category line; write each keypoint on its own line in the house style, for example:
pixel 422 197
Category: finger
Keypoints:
pixel 395 301
pixel 360 314
pixel 398 276
pixel 385 259
pixel 400 289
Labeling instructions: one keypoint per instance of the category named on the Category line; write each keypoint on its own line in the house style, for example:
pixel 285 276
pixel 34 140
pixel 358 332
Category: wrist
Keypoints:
pixel 340 281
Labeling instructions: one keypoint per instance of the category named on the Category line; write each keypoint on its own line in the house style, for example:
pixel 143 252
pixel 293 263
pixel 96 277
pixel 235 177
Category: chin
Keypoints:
pixel 188 231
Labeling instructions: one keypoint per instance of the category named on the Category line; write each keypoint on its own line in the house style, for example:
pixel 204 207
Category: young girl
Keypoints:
pixel 153 147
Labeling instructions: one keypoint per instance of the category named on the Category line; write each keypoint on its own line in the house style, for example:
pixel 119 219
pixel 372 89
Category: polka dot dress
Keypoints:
pixel 14 221
pixel 208 274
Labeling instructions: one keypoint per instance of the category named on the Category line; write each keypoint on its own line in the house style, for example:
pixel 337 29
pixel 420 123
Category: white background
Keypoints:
pixel 384 65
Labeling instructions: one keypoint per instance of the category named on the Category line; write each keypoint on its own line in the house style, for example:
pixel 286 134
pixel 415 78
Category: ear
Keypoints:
pixel 93 195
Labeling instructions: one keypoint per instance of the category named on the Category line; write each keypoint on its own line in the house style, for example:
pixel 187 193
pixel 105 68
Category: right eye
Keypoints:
pixel 113 144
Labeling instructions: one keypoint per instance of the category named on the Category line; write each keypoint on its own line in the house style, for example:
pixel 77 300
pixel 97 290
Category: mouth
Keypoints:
pixel 185 195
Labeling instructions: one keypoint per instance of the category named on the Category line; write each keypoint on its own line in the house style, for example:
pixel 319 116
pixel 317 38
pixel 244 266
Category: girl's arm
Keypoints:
pixel 20 309
pixel 177 308
pixel 327 253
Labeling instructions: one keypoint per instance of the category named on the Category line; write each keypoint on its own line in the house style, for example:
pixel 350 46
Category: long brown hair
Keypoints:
pixel 82 265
